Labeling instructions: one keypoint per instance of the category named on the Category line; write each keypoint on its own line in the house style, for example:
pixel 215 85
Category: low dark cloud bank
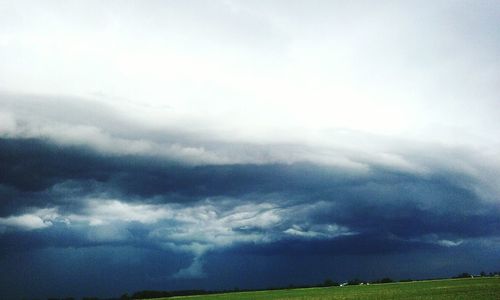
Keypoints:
pixel 171 225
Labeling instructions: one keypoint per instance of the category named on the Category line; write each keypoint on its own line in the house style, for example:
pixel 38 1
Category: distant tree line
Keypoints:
pixel 164 294
pixel 482 274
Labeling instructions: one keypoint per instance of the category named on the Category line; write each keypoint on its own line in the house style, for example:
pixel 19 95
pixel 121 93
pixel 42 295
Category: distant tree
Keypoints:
pixel 482 274
pixel 355 281
pixel 463 275
pixel 329 282
pixel 125 297
pixel 384 280
pixel 166 294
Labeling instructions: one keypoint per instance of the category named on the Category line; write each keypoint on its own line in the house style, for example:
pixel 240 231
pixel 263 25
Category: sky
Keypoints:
pixel 168 145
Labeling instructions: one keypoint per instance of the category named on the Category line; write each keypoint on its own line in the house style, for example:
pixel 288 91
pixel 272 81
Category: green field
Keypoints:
pixel 470 288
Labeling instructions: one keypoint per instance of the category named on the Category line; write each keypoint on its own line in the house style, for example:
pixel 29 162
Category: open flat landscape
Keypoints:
pixel 470 288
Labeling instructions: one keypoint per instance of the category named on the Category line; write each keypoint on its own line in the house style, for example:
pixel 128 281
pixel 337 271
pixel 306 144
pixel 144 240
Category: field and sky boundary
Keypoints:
pixel 463 288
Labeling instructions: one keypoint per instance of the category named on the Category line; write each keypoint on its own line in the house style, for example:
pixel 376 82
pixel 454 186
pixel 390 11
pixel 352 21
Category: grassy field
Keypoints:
pixel 470 288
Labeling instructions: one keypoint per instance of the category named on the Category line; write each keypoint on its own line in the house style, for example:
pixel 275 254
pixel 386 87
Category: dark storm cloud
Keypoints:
pixel 37 166
pixel 40 174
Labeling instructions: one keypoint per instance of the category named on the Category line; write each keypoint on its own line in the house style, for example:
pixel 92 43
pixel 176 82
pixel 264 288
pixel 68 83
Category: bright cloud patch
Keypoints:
pixel 38 219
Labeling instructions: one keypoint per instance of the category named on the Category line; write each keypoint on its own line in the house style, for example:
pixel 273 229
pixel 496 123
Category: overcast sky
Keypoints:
pixel 214 144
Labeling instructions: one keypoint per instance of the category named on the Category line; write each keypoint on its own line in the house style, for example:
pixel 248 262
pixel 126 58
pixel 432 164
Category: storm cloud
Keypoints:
pixel 55 197
pixel 180 145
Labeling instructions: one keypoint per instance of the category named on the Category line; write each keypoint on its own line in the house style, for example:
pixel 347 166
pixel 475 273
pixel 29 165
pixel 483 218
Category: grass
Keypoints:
pixel 468 288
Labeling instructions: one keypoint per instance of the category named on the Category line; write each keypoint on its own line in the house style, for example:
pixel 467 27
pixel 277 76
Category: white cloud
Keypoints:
pixel 439 240
pixel 38 219
pixel 261 72
pixel 196 229
pixel 449 243
pixel 26 221
pixel 107 211
pixel 324 231
pixel 219 226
